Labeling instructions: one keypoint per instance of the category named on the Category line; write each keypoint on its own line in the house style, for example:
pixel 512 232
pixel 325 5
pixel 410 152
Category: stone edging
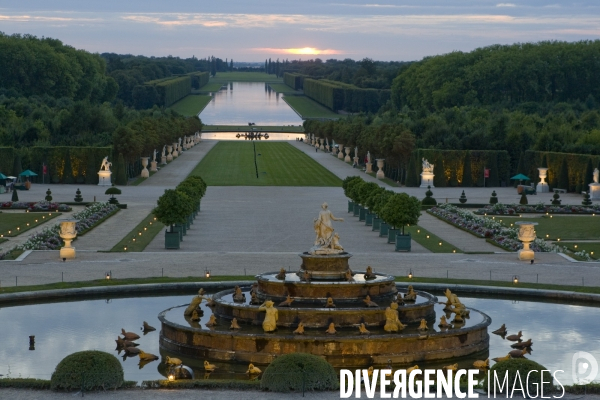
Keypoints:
pixel 167 287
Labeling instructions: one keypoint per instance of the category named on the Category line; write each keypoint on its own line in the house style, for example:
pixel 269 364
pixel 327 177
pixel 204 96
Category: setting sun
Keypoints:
pixel 302 51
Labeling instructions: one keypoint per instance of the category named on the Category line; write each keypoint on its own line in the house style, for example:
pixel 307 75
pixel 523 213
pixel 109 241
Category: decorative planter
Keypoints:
pixel 68 233
pixel 362 213
pixel 392 235
pixel 179 229
pixel 186 225
pixel 350 206
pixel 380 174
pixel 145 173
pixel 376 223
pixel 368 218
pixel 356 210
pixel 403 242
pixel 383 229
pixel 526 235
pixel 190 219
pixel 171 239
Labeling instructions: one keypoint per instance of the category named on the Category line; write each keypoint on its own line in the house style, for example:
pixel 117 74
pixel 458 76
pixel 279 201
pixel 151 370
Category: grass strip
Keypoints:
pixel 228 384
pixel 255 128
pixel 191 105
pixel 279 164
pixel 283 88
pixel 139 179
pixel 133 241
pixel 13 254
pixel 211 87
pixel 14 224
pixel 385 180
pixel 430 240
pixel 310 109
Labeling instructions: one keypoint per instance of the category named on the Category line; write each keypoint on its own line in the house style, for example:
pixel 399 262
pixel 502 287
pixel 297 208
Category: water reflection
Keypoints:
pixel 242 102
pixel 557 331
pixel 240 136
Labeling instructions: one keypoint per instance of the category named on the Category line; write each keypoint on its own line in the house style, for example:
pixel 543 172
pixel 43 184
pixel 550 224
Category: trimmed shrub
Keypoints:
pixel 297 372
pixel 78 197
pixel 523 200
pixel 463 198
pixel 15 196
pixel 68 169
pixel 563 175
pixel 428 200
pixel 556 197
pixel 439 170
pixel 88 370
pixel 494 198
pixel 531 384
pixel 48 195
pixel 586 199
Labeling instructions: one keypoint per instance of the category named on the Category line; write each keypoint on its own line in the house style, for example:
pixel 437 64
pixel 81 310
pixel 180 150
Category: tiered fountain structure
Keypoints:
pixel 324 291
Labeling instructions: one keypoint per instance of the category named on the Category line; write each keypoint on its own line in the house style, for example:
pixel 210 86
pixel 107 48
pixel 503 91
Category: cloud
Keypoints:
pixel 506 5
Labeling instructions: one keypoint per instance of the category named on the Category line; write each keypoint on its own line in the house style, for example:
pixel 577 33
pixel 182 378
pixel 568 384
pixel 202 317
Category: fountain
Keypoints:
pixel 352 319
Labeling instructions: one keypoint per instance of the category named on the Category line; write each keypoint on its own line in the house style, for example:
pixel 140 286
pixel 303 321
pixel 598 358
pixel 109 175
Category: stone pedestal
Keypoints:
pixel 175 150
pixel 542 187
pixel 355 159
pixel 341 152
pixel 68 233
pixel 595 191
pixel 427 179
pixel 347 158
pixel 369 167
pixel 380 174
pixel 145 173
pixel 153 166
pixel 526 235
pixel 104 178
pixel 169 153
pixel 163 160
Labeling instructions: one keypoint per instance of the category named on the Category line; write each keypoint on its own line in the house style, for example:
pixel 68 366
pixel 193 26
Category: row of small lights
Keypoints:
pixel 515 278
pixel 139 234
pixel 19 228
pixel 440 243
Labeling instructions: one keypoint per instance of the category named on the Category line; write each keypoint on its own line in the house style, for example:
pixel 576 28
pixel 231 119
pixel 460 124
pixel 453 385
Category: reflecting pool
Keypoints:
pixel 239 103
pixel 558 331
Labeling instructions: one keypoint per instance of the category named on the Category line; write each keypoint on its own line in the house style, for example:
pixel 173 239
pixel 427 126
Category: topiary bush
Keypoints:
pixel 428 200
pixel 78 197
pixel 297 372
pixel 556 197
pixel 586 199
pixel 523 366
pixel 463 198
pixel 494 198
pixel 48 195
pixel 523 200
pixel 88 370
pixel 15 196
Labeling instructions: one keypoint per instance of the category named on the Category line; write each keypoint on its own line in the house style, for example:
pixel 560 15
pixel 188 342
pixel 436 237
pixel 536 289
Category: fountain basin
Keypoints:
pixel 327 266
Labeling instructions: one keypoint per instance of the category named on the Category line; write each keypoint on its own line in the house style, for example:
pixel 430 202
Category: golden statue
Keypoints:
pixel 134 336
pixel 454 305
pixel 348 276
pixel 399 299
pixel 512 338
pixel 453 367
pixel 271 317
pixel 458 319
pixel 370 371
pixel 147 356
pixel 287 302
pixel 210 302
pixel 193 305
pixel 209 367
pixel 423 326
pixel 212 321
pixel 410 295
pixel 482 364
pixel 238 295
pixel 254 300
pixel 195 317
pixel 305 277
pixel 331 330
pixel 501 331
pixel 369 273
pixel 201 292
pixel 147 328
pixel 443 323
pixel 254 288
pixel 300 329
pixel 234 324
pixel 392 322
pixel 172 361
pixel 411 369
pixel 329 303
pixel 363 330
pixel 326 242
pixel 500 359
pixel 252 370
pixel 369 303
pixel 281 274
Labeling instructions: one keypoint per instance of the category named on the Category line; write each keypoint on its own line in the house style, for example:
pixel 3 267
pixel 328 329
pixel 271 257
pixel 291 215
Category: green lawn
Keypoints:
pixel 279 164
pixel 244 77
pixel 210 87
pixel 282 88
pixel 148 228
pixel 589 247
pixel 245 128
pixel 13 224
pixel 191 105
pixel 430 241
pixel 565 227
pixel 308 108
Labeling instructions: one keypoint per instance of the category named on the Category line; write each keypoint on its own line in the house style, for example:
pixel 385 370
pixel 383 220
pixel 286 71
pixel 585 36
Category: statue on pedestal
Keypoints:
pixel 270 322
pixel 427 167
pixel 153 156
pixel 596 173
pixel 105 164
pixel 326 241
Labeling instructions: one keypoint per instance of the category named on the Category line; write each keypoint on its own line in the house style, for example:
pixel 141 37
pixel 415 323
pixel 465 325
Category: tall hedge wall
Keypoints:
pixel 173 90
pixel 576 165
pixel 295 81
pixel 329 95
pixel 342 96
pixel 454 163
pixel 54 158
pixel 7 157
pixel 200 77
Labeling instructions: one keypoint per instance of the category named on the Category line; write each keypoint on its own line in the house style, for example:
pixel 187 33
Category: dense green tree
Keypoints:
pixel 588 176
pixel 563 176
pixel 439 179
pixel 120 171
pixel 494 179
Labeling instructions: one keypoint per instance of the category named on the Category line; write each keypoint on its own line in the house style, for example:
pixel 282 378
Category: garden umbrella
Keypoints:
pixel 28 172
pixel 2 176
pixel 521 177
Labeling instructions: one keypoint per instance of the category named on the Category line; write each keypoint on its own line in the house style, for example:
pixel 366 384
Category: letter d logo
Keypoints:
pixel 584 368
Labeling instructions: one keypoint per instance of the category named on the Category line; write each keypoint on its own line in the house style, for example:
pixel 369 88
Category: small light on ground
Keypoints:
pixel 515 279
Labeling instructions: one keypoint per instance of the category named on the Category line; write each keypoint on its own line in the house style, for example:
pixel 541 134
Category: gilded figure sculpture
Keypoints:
pixel 479 364
pixel 369 273
pixel 234 324
pixel 300 329
pixel 443 323
pixel 363 330
pixel 423 325
pixel 410 295
pixel 453 367
pixel 195 303
pixel 348 276
pixel 329 303
pixel 271 317
pixel 254 300
pixel 392 322
pixel 212 321
pixel 281 274
pixel 195 317
pixel 367 300
pixel 252 370
pixel 238 295
pixel 172 361
pixel 500 359
pixel 411 369
pixel 209 367
pixel 331 329
pixel 287 302
pixel 147 356
pixel 326 242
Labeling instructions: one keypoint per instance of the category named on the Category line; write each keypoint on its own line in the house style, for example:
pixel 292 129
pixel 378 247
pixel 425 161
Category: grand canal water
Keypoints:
pixel 239 103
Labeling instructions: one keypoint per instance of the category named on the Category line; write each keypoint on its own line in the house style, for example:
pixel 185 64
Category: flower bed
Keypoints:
pixel 40 206
pixel 492 230
pixel 540 208
pixel 49 238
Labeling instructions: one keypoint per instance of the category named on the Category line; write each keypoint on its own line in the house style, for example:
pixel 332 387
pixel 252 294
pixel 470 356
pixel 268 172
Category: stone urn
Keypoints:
pixel 341 151
pixel 380 174
pixel 169 151
pixel 322 146
pixel 145 173
pixel 542 187
pixel 526 235
pixel 68 233
pixel 175 150
pixel 347 158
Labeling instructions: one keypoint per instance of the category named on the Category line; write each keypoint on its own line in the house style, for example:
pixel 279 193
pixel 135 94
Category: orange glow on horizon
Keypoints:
pixel 301 51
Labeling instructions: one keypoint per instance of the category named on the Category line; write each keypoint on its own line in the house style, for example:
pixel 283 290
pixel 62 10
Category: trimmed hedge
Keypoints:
pixel 88 370
pixel 576 166
pixel 295 81
pixel 342 96
pixel 299 372
pixel 173 90
pixel 199 79
pixel 82 171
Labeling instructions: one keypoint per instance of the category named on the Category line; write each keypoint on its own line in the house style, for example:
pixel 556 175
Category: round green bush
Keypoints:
pixel 523 366
pixel 428 200
pixel 299 371
pixel 88 370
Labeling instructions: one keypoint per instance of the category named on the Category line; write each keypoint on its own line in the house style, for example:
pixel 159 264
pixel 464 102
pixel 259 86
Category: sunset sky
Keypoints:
pixel 248 30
